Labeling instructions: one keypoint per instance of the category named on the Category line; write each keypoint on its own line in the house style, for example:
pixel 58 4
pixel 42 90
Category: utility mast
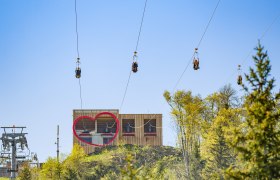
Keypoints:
pixel 57 144
pixel 10 140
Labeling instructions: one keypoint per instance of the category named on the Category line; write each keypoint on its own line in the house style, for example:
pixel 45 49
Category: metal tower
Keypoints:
pixel 10 142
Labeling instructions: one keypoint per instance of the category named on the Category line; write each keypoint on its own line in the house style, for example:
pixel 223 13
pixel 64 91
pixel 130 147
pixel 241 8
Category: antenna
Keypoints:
pixel 57 144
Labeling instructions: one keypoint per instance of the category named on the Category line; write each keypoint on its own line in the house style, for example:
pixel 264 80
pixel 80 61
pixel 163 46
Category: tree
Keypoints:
pixel 215 148
pixel 51 169
pixel 224 116
pixel 187 111
pixel 35 172
pixel 75 165
pixel 130 171
pixel 25 173
pixel 258 143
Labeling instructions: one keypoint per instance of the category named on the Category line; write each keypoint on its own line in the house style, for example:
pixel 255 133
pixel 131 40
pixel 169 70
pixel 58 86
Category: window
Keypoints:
pixel 106 140
pixel 87 139
pixel 85 124
pixel 128 126
pixel 106 126
pixel 150 127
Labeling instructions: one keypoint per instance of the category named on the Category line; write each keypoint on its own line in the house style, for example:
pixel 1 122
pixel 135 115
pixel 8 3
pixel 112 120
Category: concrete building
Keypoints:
pixel 137 129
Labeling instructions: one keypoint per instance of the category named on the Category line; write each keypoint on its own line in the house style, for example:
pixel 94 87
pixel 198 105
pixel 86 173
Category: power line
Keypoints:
pixel 199 43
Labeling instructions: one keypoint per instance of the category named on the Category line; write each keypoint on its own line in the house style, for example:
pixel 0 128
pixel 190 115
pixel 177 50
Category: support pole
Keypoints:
pixel 57 144
pixel 13 165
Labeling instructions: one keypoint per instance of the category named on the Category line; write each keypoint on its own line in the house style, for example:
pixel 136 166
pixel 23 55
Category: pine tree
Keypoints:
pixel 258 144
pixel 75 165
pixel 224 116
pixel 130 172
pixel 25 173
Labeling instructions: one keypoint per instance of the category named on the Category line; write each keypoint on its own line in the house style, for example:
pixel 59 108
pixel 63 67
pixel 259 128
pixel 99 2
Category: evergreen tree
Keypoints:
pixel 51 169
pixel 130 171
pixel 215 148
pixel 25 173
pixel 258 144
pixel 75 165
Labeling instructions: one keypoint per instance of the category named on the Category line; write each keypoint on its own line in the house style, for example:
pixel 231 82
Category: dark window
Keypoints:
pixel 106 126
pixel 128 125
pixel 85 124
pixel 150 126
pixel 106 140
pixel 87 139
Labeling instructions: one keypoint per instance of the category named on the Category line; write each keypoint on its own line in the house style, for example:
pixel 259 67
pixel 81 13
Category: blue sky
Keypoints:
pixel 38 54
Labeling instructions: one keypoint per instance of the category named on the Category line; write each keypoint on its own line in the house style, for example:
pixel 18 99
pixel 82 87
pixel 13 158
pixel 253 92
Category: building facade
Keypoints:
pixel 137 129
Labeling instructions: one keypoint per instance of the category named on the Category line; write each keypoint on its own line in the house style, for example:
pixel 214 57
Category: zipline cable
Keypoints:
pixel 207 26
pixel 126 87
pixel 140 29
pixel 261 37
pixel 78 52
pixel 81 99
pixel 199 43
pixel 78 69
pixel 135 52
pixel 136 48
pixel 189 62
pixel 77 34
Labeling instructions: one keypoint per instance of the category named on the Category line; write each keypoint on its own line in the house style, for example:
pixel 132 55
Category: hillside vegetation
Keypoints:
pixel 112 162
